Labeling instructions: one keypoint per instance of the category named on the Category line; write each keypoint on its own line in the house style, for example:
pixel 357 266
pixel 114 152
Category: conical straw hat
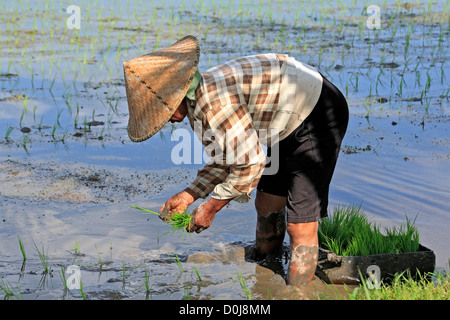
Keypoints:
pixel 156 84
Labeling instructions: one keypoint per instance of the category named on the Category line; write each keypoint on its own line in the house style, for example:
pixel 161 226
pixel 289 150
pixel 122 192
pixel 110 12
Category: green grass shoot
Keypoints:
pixel 8 132
pixel 244 286
pixel 187 291
pixel 146 282
pixel 76 248
pixel 100 261
pixel 348 232
pixel 403 287
pixel 22 249
pixel 197 273
pixel 44 259
pixel 62 275
pixel 82 291
pixel 177 261
pixel 10 291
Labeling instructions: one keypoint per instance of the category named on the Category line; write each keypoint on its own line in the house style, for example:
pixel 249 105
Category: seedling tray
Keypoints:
pixel 336 269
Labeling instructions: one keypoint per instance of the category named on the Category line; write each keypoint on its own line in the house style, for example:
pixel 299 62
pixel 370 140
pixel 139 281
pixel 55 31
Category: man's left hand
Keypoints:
pixel 204 214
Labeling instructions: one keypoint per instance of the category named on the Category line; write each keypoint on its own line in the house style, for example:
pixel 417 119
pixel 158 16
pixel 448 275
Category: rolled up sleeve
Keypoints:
pixel 237 161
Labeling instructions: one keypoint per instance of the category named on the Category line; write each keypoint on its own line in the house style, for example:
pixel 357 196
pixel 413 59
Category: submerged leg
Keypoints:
pixel 271 222
pixel 304 252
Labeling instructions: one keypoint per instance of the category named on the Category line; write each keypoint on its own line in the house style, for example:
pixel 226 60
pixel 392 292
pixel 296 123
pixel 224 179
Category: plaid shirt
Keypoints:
pixel 235 102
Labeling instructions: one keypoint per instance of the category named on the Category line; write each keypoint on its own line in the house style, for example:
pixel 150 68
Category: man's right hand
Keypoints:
pixel 177 203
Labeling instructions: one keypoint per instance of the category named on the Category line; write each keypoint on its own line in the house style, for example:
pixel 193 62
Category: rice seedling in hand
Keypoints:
pixel 177 221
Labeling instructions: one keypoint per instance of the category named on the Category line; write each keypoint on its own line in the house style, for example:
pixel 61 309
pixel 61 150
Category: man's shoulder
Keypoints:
pixel 244 63
pixel 232 82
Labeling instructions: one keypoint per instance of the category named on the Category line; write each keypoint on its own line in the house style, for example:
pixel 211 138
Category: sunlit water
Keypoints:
pixel 67 182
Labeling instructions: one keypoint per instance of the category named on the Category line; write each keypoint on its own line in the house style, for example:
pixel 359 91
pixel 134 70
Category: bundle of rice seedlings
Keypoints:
pixel 177 221
pixel 348 232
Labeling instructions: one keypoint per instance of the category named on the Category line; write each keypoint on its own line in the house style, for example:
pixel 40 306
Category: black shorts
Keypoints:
pixel 307 158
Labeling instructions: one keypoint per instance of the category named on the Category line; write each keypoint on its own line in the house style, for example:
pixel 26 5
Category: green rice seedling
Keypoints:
pixel 76 247
pixel 180 221
pixel 32 79
pixel 404 239
pixel 34 113
pixel 58 117
pixel 187 291
pixel 146 210
pixel 127 271
pixel 44 259
pixel 62 275
pixel 52 83
pixel 408 38
pixel 21 118
pixel 244 286
pixel 22 249
pixel 100 137
pixel 24 141
pixel 64 135
pixel 25 103
pixel 146 283
pixel 82 292
pixel 85 125
pixel 8 132
pixel 54 130
pixel 177 261
pixel 10 291
pixel 348 232
pixel 369 108
pixel 197 273
pixel 100 261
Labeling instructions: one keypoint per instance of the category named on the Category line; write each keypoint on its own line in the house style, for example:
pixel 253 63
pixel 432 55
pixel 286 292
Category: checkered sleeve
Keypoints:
pixel 237 158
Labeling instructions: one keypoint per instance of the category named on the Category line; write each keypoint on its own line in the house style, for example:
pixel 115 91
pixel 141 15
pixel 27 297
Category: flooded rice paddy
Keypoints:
pixel 69 173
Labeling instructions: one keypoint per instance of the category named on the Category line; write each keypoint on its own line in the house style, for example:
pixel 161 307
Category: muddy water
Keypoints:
pixel 67 198
pixel 69 173
pixel 63 206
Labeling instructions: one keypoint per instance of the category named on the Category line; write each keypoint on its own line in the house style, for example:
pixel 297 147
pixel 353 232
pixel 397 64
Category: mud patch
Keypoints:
pixel 81 183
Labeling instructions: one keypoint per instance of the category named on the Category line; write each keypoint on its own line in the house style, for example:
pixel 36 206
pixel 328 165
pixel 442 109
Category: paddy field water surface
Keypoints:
pixel 69 173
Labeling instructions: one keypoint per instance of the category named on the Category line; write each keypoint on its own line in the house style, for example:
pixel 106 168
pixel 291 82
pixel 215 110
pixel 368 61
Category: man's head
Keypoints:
pixel 180 113
pixel 156 85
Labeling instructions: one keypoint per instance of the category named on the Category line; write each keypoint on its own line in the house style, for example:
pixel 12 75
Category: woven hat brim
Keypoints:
pixel 156 84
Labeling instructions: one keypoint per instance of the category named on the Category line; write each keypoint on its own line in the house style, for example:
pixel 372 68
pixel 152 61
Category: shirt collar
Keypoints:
pixel 190 94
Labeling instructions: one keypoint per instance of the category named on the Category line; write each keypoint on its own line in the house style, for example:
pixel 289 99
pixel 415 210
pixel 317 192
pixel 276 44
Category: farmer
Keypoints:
pixel 302 113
